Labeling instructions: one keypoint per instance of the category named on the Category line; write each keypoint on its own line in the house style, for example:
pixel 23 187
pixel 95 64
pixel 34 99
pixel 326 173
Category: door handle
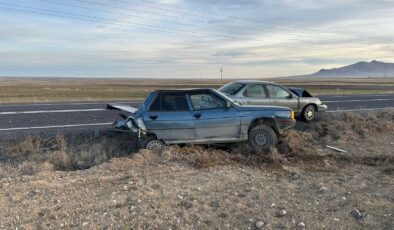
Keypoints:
pixel 153 117
pixel 197 115
pixel 275 102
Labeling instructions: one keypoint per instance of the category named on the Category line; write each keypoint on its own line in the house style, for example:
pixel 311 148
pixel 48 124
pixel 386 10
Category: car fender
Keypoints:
pixel 269 121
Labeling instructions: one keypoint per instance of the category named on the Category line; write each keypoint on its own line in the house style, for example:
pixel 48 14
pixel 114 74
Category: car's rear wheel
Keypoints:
pixel 153 144
pixel 262 138
pixel 309 113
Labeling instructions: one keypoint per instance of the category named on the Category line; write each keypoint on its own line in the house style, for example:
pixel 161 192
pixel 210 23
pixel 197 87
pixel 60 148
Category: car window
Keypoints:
pixel 169 102
pixel 277 91
pixel 255 91
pixel 231 88
pixel 207 101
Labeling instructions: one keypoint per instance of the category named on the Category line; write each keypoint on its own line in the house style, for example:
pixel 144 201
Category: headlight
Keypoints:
pixel 129 124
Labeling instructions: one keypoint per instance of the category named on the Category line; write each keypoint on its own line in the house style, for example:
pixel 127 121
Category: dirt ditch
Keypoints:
pixel 90 181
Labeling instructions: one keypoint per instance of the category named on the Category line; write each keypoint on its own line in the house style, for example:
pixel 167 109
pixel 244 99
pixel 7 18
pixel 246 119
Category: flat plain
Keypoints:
pixel 19 90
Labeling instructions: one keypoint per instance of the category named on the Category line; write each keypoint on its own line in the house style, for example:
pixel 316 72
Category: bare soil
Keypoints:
pixel 103 183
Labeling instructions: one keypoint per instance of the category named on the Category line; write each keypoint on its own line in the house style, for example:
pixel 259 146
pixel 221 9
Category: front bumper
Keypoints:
pixel 322 108
pixel 128 124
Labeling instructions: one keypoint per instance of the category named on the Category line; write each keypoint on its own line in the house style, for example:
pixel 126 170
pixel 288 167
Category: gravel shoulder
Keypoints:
pixel 205 188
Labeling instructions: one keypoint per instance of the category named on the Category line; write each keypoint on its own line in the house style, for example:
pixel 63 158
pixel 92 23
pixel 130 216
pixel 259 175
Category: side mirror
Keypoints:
pixel 291 96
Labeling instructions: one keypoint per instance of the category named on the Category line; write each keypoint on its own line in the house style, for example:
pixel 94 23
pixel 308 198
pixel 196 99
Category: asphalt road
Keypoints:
pixel 54 117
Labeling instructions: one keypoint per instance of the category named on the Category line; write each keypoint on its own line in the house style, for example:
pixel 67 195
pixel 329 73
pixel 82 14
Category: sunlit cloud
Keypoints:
pixel 181 38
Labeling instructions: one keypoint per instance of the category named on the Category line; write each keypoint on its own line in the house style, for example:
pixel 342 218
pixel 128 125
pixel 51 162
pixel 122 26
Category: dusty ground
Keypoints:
pixel 205 188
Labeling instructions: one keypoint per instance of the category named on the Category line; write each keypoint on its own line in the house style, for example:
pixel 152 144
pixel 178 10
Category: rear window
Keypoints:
pixel 169 102
pixel 232 88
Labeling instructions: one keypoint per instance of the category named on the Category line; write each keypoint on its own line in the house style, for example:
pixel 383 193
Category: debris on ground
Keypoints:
pixel 358 214
pixel 336 149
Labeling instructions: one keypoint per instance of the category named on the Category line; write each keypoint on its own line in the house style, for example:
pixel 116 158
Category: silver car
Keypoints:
pixel 254 92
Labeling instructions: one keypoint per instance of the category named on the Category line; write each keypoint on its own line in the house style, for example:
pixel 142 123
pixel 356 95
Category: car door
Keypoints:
pixel 254 94
pixel 212 118
pixel 280 96
pixel 170 118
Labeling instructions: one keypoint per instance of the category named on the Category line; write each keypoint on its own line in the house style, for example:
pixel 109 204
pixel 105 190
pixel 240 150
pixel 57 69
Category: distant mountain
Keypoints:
pixel 359 69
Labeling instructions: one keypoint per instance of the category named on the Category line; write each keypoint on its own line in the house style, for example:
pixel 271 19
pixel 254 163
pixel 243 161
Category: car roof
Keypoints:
pixel 252 81
pixel 182 90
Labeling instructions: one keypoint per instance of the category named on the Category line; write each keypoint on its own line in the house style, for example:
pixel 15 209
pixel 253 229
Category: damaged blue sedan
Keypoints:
pixel 202 116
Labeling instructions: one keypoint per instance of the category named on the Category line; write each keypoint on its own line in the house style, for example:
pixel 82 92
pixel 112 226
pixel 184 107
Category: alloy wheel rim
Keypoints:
pixel 310 113
pixel 261 139
pixel 155 145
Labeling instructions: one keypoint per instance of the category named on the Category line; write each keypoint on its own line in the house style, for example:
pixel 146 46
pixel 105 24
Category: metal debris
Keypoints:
pixel 358 214
pixel 336 149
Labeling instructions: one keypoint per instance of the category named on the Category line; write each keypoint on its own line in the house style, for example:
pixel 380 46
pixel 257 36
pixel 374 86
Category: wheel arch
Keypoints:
pixel 268 121
pixel 314 105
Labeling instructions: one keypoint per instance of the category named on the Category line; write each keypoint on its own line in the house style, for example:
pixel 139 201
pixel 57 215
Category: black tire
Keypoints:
pixel 262 138
pixel 153 144
pixel 309 113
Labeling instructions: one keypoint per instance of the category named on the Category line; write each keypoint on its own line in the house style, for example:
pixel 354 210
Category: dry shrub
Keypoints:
pixel 203 157
pixel 350 126
pixel 86 155
pixel 26 148
pixel 293 143
pixel 275 157
pixel 31 167
pixel 61 160
pixel 34 154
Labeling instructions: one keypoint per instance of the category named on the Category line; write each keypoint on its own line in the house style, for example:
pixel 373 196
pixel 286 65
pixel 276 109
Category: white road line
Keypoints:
pixel 352 95
pixel 380 99
pixel 56 126
pixel 52 111
pixel 358 110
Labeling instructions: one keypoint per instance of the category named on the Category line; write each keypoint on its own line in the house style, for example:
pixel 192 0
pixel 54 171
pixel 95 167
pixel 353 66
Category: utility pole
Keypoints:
pixel 221 74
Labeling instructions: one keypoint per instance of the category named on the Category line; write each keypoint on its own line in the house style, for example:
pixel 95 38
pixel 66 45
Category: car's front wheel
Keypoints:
pixel 309 113
pixel 153 144
pixel 262 138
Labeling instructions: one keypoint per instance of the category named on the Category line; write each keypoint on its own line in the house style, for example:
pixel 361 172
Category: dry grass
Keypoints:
pixel 46 90
pixel 62 153
pixel 200 187
pixel 34 154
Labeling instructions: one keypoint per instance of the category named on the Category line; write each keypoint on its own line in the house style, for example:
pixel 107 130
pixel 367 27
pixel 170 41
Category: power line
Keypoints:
pixel 205 15
pixel 201 21
pixel 143 17
pixel 124 14
pixel 97 19
pixel 121 22
pixel 139 10
pixel 117 22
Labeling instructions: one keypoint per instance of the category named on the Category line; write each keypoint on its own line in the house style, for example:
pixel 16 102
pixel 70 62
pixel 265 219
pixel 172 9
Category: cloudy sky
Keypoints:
pixel 191 39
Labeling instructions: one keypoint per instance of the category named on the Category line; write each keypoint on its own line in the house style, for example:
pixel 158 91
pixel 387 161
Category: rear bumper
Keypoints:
pixel 322 108
pixel 285 124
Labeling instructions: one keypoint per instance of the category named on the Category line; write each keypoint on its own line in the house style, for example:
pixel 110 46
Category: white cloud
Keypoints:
pixel 249 38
